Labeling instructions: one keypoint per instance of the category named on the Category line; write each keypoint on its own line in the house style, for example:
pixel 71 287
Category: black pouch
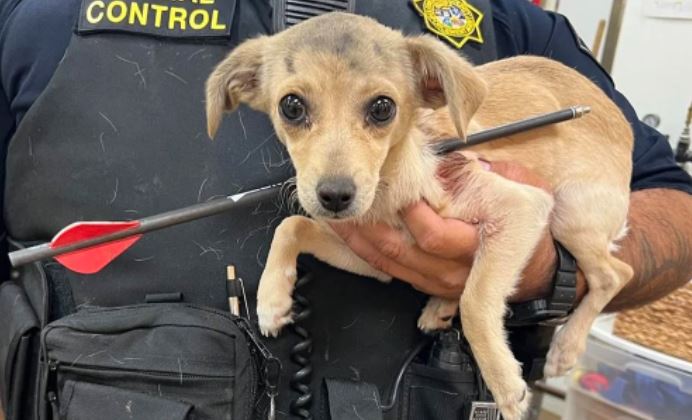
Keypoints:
pixel 153 361
pixel 18 354
pixel 434 393
pixel 443 382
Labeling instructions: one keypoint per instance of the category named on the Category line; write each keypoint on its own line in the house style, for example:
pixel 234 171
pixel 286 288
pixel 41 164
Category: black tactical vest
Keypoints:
pixel 119 134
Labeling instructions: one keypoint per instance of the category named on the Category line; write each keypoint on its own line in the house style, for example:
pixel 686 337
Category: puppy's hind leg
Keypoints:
pixel 438 314
pixel 296 235
pixel 588 236
pixel 605 276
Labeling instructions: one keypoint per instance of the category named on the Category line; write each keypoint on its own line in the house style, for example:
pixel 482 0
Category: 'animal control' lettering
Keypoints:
pixel 165 18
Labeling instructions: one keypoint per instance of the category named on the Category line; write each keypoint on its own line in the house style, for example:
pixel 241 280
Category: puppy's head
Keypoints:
pixel 341 91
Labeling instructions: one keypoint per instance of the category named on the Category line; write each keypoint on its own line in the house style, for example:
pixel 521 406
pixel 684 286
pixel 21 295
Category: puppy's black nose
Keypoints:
pixel 336 193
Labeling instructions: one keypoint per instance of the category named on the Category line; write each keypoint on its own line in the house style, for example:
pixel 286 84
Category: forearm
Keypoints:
pixel 658 246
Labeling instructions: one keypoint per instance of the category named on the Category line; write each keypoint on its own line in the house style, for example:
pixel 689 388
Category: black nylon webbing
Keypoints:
pixel 347 400
pixel 290 12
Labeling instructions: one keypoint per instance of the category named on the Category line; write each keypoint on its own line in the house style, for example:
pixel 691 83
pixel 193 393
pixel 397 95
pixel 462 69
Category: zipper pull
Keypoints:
pixel 53 400
pixel 272 373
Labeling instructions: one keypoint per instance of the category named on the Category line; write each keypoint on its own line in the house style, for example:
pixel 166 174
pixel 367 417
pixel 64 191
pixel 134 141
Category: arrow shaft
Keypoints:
pixel 198 211
pixel 520 126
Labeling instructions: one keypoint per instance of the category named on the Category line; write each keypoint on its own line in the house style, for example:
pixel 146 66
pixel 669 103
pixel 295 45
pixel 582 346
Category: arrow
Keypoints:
pixel 87 247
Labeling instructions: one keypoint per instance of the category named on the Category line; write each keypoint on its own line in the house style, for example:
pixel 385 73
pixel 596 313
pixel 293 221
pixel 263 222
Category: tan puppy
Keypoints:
pixel 348 97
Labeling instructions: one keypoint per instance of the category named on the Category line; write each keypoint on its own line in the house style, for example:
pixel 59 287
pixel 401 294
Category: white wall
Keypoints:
pixel 653 66
pixel 653 60
pixel 584 16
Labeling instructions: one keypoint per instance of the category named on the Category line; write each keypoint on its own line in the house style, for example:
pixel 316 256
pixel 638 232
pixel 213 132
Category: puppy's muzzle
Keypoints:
pixel 336 193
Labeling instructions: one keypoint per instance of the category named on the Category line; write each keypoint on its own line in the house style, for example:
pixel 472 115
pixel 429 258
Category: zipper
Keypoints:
pixel 270 366
pixel 82 368
pixel 51 386
pixel 270 369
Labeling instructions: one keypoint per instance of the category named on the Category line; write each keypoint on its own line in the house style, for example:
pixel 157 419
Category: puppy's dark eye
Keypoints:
pixel 293 108
pixel 381 110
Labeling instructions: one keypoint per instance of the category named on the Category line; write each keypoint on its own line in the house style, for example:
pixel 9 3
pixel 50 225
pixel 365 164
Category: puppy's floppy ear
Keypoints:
pixel 444 78
pixel 236 79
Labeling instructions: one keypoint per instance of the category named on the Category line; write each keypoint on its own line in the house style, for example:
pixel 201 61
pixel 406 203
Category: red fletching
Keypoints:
pixel 91 260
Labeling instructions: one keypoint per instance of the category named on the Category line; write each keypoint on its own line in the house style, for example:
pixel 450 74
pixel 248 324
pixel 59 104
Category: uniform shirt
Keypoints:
pixel 35 33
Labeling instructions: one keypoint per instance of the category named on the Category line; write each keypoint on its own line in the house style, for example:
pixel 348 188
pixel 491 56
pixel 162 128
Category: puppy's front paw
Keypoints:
pixel 274 300
pixel 274 315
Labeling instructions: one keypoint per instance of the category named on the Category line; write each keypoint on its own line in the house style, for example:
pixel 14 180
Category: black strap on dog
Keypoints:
pixel 346 400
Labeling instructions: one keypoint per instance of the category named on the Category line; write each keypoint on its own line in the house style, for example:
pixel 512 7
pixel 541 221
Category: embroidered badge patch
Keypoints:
pixel 165 18
pixel 457 21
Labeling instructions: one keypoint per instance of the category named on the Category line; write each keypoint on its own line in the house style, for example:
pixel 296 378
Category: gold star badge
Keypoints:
pixel 457 21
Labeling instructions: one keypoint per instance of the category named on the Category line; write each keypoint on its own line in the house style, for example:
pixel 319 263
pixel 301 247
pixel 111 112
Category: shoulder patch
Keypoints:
pixel 457 21
pixel 163 18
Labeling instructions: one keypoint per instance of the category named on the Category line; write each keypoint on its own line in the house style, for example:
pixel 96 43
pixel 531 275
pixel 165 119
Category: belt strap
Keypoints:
pixel 348 400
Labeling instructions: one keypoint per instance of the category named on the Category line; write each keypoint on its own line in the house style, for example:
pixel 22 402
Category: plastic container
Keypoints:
pixel 617 379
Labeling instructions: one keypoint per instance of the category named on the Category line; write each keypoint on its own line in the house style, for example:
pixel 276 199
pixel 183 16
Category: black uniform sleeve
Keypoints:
pixel 523 28
pixel 33 38
pixel 7 126
pixel 7 122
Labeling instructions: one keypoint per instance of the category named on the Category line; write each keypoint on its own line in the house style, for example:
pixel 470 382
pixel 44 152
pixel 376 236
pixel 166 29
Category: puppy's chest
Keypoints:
pixel 454 187
pixel 463 194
